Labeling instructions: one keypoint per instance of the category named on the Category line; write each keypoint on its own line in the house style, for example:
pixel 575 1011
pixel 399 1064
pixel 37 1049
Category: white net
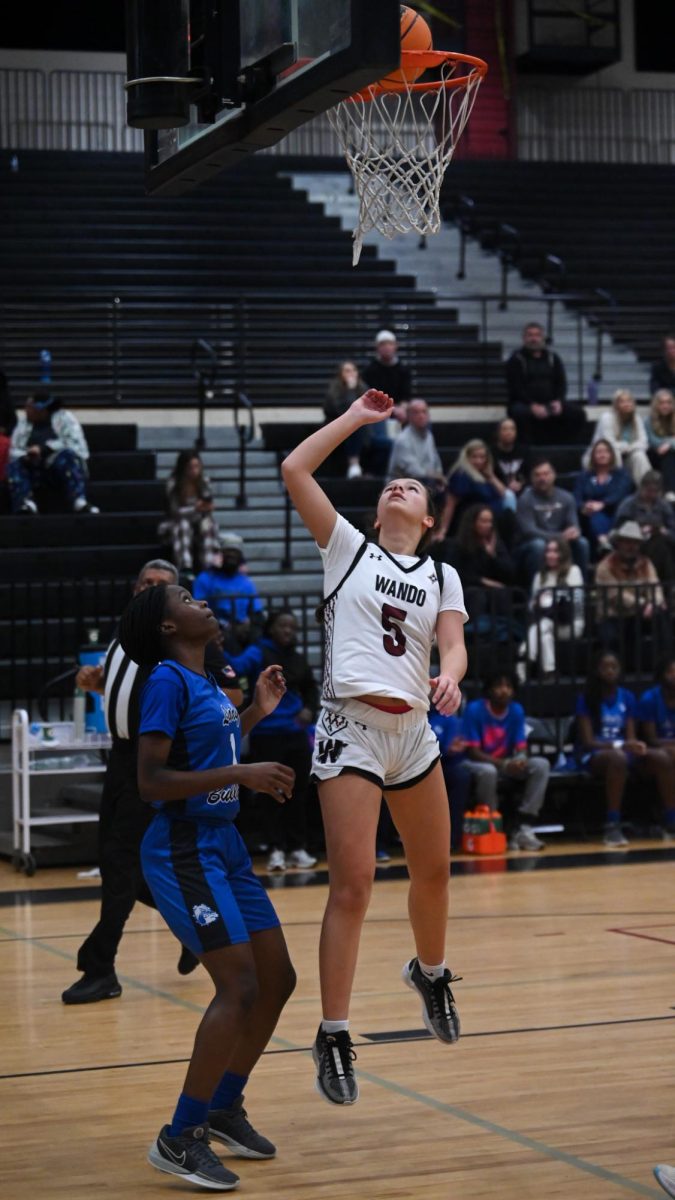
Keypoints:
pixel 398 145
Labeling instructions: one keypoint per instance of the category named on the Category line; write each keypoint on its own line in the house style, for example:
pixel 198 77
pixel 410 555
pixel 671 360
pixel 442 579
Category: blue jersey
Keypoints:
pixel 447 728
pixel 499 736
pixel 613 715
pixel 652 707
pixel 204 729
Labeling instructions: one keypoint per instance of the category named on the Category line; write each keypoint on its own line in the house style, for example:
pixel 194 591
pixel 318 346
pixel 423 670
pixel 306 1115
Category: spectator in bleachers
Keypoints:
pixel 497 754
pixel 282 736
pixel 229 592
pixel 599 490
pixel 630 598
pixel 511 458
pixel 49 450
pixel 450 733
pixel 544 510
pixel 609 748
pixel 537 391
pixel 486 570
pixel 7 423
pixel 415 454
pixel 662 374
pixel 624 429
pixel 660 426
pixel 557 605
pixel 387 373
pixel 472 480
pixel 189 526
pixel 656 711
pixel 656 519
pixel 345 387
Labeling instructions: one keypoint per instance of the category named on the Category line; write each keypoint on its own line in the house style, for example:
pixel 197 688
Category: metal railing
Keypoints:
pixel 44 625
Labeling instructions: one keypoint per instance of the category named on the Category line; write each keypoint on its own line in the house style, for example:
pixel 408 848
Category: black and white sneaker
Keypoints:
pixel 232 1127
pixel 190 1156
pixel 333 1055
pixel 439 1011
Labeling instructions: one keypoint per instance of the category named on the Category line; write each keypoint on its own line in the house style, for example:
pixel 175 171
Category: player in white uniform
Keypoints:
pixel 383 607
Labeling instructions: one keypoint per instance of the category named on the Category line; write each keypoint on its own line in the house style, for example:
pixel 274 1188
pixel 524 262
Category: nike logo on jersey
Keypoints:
pixel 402 591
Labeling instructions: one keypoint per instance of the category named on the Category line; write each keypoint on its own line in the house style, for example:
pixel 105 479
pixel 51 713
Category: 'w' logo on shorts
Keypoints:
pixel 330 748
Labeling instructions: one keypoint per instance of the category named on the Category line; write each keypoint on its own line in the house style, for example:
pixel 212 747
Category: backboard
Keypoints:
pixel 275 64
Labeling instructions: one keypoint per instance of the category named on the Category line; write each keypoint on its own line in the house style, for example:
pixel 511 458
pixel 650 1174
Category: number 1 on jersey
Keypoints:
pixel 394 640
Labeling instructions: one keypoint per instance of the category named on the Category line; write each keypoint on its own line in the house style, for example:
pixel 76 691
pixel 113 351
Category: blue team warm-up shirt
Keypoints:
pixel 204 729
pixel 613 714
pixel 652 707
pixel 500 737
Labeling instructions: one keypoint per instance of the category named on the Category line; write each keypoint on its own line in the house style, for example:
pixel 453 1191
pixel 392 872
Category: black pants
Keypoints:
pixel 568 426
pixel 285 825
pixel 124 819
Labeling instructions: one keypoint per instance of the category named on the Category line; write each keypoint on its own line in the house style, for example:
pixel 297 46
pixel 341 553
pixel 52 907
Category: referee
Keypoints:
pixel 124 817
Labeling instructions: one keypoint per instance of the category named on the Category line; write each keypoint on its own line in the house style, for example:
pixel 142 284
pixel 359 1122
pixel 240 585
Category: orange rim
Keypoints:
pixel 427 59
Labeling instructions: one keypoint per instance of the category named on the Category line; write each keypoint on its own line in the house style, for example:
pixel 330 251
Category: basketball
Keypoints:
pixel 415 35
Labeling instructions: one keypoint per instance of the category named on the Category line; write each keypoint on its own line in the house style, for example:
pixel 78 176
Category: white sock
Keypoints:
pixel 334 1026
pixel 432 972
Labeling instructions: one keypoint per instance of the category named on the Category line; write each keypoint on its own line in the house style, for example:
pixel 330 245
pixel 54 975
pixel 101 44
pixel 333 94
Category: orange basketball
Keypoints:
pixel 415 35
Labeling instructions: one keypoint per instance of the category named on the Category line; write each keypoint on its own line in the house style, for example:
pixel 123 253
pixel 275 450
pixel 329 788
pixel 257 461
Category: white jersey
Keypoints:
pixel 380 615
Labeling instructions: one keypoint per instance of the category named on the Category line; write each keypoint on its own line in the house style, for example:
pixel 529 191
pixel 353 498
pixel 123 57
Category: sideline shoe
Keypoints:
pixel 439 1011
pixel 300 858
pixel 524 838
pixel 190 1156
pixel 276 861
pixel 232 1127
pixel 666 1177
pixel 90 988
pixel 333 1056
pixel 188 962
pixel 614 836
pixel 28 507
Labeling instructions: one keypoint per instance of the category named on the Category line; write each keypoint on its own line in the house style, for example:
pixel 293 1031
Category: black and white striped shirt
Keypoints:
pixel 123 684
pixel 124 681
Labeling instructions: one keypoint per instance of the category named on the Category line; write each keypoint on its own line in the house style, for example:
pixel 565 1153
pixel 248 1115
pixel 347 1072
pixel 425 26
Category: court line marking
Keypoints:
pixel 632 931
pixel 441 1106
pixel 402 1038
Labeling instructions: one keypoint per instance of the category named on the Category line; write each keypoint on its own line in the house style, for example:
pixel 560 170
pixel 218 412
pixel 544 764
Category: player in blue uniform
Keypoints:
pixel 200 874
pixel 608 744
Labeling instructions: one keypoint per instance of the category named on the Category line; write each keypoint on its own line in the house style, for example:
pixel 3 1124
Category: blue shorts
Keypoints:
pixel 203 884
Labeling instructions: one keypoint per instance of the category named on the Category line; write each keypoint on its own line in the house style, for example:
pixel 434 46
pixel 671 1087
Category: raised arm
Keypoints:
pixel 309 498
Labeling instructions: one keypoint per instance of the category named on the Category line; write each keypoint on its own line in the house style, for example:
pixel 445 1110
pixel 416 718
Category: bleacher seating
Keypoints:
pixel 613 226
pixel 63 574
pixel 118 286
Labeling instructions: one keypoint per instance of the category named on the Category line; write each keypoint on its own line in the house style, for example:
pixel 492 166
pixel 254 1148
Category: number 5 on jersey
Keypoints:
pixel 394 640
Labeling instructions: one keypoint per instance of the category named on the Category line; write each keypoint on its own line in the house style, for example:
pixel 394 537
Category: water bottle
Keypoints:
pixel 79 715
pixel 45 366
pixel 14 164
pixel 592 391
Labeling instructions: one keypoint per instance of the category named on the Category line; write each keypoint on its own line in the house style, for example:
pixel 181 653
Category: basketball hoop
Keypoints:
pixel 398 137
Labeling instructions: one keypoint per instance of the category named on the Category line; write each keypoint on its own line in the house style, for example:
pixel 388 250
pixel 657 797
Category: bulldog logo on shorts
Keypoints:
pixel 203 915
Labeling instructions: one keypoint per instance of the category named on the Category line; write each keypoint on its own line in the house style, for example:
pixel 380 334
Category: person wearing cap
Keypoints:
pixel 48 449
pixel 630 596
pixel 228 590
pixel 656 519
pixel 386 373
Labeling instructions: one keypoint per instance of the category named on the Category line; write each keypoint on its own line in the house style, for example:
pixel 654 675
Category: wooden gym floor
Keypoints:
pixel 561 1086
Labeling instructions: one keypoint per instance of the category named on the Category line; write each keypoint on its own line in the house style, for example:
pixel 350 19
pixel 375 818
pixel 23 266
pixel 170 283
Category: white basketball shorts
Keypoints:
pixel 394 751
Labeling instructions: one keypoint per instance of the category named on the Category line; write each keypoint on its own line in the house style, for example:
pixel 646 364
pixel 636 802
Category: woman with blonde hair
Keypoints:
pixel 625 431
pixel 660 426
pixel 472 480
